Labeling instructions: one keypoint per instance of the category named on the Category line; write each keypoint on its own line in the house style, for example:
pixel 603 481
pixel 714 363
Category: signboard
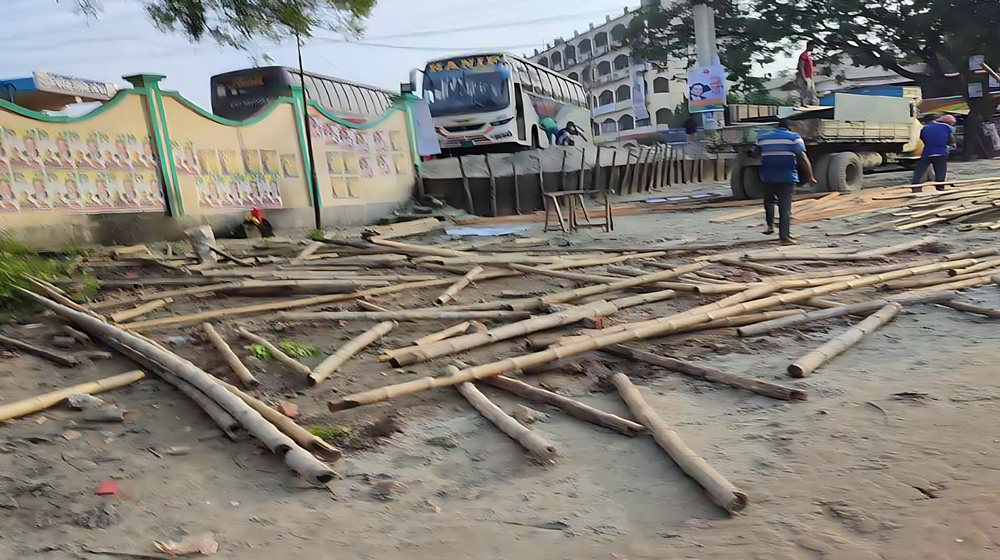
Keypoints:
pixel 474 63
pixel 75 87
pixel 707 89
pixel 638 82
pixel 975 89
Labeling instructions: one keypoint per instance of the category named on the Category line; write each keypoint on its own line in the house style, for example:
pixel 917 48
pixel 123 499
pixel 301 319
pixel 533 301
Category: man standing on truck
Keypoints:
pixel 782 154
pixel 938 135
pixel 804 77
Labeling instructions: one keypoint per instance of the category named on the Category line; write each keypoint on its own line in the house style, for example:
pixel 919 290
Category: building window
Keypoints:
pixel 621 62
pixel 626 122
pixel 606 98
pixel 609 126
pixel 623 93
pixel 574 76
pixel 601 40
pixel 661 85
pixel 642 122
pixel 663 116
pixel 585 48
pixel 543 62
pixel 618 33
pixel 556 58
pixel 604 68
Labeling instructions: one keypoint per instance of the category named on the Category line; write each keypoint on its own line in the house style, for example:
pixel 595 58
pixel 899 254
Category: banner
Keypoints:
pixel 707 89
pixel 638 96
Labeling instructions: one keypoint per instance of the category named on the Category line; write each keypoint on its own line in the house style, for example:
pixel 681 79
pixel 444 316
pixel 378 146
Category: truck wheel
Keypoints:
pixel 745 183
pixel 821 168
pixel 846 173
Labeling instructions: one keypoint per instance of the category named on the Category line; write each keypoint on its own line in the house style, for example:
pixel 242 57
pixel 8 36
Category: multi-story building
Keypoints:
pixel 598 59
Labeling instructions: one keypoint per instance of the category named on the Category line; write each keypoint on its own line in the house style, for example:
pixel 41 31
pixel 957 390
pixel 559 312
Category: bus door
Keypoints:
pixel 519 107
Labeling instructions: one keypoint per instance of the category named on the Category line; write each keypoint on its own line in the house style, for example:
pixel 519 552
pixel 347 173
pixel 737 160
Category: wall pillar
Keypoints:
pixel 147 85
pixel 305 146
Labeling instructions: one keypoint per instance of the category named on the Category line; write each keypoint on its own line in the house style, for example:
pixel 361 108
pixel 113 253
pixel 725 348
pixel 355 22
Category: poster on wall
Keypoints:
pixel 707 89
pixel 43 169
pixel 233 179
pixel 639 96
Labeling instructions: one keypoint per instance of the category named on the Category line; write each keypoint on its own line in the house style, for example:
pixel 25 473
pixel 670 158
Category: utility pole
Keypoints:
pixel 317 212
pixel 704 34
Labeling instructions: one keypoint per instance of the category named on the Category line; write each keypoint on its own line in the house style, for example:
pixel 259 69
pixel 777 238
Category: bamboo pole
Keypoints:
pixel 720 490
pixel 987 265
pixel 961 306
pixel 462 282
pixel 67 360
pixel 757 386
pixel 926 282
pixel 456 330
pixel 241 371
pixel 862 308
pixel 843 342
pixel 741 320
pixel 416 354
pixel 900 248
pixel 348 350
pixel 41 402
pixel 636 331
pixel 402 315
pixel 369 306
pixel 465 185
pixel 168 294
pixel 55 295
pixel 572 407
pixel 276 352
pixel 973 282
pixel 580 293
pixel 308 251
pixel 532 440
pixel 225 421
pixel 288 427
pixel 310 469
pixel 281 305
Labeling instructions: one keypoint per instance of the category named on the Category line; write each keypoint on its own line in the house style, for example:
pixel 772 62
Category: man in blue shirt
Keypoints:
pixel 782 153
pixel 937 135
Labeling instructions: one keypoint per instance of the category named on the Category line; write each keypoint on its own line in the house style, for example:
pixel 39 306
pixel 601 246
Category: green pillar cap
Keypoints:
pixel 143 80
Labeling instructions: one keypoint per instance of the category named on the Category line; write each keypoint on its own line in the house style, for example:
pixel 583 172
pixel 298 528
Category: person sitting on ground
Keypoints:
pixel 564 137
pixel 938 136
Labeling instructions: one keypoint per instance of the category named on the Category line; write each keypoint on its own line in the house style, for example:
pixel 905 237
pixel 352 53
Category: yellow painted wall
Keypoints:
pixel 50 172
pixel 225 168
pixel 357 167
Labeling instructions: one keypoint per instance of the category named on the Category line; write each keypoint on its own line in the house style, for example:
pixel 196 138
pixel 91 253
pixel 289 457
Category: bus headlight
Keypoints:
pixel 501 122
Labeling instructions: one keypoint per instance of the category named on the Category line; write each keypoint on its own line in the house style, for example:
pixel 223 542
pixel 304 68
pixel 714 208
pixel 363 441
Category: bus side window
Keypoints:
pixel 324 94
pixel 582 98
pixel 546 84
pixel 536 82
pixel 311 91
pixel 522 72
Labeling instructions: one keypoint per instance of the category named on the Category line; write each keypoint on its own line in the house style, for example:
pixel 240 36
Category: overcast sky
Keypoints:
pixel 48 35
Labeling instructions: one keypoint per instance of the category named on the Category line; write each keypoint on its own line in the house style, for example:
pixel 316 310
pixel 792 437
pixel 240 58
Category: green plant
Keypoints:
pixel 75 249
pixel 331 434
pixel 17 262
pixel 296 350
pixel 317 235
pixel 260 352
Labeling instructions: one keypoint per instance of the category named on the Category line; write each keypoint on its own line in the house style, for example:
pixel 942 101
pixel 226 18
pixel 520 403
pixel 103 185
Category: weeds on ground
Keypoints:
pixel 260 352
pixel 317 235
pixel 296 350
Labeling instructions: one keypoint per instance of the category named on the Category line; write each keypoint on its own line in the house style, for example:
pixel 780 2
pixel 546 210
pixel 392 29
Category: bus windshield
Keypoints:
pixel 470 85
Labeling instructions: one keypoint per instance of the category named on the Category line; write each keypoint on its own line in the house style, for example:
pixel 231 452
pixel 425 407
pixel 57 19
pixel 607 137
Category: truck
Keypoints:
pixel 853 135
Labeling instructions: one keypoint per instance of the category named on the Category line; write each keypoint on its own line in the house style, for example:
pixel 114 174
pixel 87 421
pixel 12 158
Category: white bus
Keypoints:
pixel 494 102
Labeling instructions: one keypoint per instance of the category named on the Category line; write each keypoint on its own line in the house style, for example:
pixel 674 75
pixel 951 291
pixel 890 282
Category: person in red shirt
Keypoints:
pixel 804 77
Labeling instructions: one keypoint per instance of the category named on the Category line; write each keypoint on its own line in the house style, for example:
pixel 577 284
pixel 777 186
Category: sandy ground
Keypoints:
pixel 856 472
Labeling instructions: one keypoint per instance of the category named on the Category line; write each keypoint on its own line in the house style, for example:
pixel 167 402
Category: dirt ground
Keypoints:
pixel 896 454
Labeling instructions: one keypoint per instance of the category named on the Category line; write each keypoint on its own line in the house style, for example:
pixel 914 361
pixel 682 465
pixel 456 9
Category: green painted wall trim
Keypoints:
pixel 266 112
pixel 298 98
pixel 349 124
pixel 117 99
pixel 168 166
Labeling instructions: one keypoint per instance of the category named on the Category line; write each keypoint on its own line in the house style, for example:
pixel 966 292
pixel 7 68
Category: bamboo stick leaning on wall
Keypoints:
pixel 348 350
pixel 458 286
pixel 721 491
pixel 241 371
pixel 636 331
pixel 276 352
pixel 843 342
pixel 534 441
pixel 864 307
pixel 300 460
pixel 31 405
pixel 757 386
pixel 572 407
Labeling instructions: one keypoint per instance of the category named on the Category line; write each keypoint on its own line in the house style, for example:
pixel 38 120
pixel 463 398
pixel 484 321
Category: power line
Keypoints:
pixel 560 18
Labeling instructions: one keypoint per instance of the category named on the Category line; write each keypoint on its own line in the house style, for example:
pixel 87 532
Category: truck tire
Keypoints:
pixel 821 169
pixel 745 183
pixel 846 173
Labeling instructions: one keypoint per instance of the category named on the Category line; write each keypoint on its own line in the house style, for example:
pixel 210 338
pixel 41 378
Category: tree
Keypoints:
pixel 237 22
pixel 942 34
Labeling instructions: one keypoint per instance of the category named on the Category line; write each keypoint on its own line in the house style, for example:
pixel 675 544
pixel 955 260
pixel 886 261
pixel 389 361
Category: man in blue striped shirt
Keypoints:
pixel 782 153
